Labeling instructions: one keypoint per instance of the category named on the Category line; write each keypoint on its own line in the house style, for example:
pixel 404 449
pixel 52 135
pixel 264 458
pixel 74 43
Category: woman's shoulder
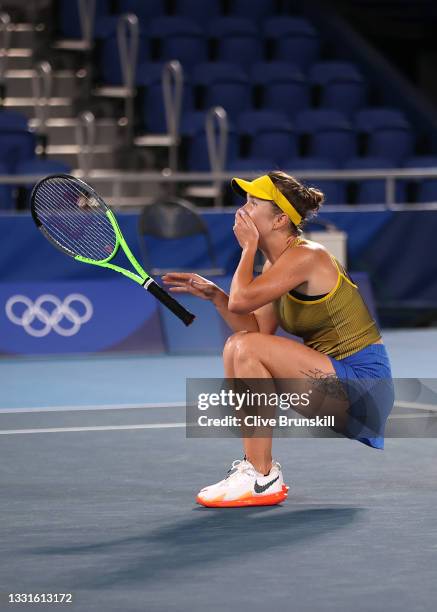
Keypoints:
pixel 316 251
pixel 302 242
pixel 317 248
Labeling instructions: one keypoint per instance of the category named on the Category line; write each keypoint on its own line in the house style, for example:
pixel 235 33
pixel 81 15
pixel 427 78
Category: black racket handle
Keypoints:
pixel 160 294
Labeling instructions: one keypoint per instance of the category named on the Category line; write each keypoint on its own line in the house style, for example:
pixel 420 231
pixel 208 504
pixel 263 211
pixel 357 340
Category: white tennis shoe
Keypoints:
pixel 244 486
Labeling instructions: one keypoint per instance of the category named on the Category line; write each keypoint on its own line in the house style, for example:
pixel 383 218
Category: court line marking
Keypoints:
pixel 416 406
pixel 97 407
pixel 8 432
pixel 413 415
pixel 94 407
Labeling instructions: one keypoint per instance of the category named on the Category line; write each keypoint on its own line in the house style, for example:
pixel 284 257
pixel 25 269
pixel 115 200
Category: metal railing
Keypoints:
pixel 42 85
pixel 128 41
pixel 217 132
pixel 85 140
pixel 87 13
pixel 118 179
pixel 5 42
pixel 172 91
pixel 172 86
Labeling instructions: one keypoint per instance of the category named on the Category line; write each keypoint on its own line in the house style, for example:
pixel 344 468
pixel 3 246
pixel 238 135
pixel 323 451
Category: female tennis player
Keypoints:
pixel 306 291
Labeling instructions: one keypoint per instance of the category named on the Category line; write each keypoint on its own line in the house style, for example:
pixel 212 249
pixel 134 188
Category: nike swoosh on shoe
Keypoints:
pixel 261 488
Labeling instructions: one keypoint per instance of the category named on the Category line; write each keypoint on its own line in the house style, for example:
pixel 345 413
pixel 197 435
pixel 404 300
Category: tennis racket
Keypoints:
pixel 75 219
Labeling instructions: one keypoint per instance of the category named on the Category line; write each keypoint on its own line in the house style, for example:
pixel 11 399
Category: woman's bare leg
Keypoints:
pixel 254 355
pixel 258 450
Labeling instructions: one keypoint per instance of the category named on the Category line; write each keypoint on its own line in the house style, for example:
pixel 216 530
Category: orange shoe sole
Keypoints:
pixel 252 500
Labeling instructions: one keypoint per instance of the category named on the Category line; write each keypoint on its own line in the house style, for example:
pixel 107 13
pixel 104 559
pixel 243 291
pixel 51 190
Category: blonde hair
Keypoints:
pixel 306 200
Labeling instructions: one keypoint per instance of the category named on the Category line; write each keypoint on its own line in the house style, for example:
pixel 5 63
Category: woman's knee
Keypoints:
pixel 240 345
pixel 231 344
pixel 239 342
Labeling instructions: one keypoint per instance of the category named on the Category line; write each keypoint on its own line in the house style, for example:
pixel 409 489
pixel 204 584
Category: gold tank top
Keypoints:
pixel 337 324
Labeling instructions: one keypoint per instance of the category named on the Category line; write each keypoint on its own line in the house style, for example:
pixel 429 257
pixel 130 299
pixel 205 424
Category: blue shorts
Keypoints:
pixel 367 378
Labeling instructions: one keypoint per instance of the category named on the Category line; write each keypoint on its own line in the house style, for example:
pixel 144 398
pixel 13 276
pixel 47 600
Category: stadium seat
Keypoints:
pixel 426 187
pixel 342 85
pixel 228 26
pixel 388 133
pixel 195 10
pixel 257 9
pixel 336 143
pixel 149 72
pixel 179 38
pixel 7 201
pixel 421 161
pixel 193 130
pixel 373 118
pixel 12 120
pixel 254 121
pixel 108 52
pixel 207 73
pixel 311 120
pixel 233 93
pixel 17 142
pixel 395 143
pixel 6 195
pixel 252 164
pixel 192 122
pixel 283 87
pixel 345 95
pixel 106 26
pixel 16 146
pixel 149 78
pixel 40 166
pixel 323 72
pixel 283 26
pixel 68 17
pixel 270 72
pixel 309 163
pixel 295 40
pixel 198 158
pixel 277 144
pixel 335 191
pixel 145 11
pixel 372 191
pixel 330 132
pixel 270 133
pixel 238 40
pixel 427 191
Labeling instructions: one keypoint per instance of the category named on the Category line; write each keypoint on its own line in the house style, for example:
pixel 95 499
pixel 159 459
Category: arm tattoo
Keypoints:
pixel 328 384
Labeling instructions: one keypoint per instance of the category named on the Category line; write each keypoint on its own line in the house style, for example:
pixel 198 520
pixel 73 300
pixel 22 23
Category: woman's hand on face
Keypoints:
pixel 245 230
pixel 188 282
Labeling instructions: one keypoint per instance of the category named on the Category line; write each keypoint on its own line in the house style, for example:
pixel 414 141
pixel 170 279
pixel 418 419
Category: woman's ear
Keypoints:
pixel 280 221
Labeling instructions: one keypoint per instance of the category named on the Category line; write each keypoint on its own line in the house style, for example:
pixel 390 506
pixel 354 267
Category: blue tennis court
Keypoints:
pixel 202 201
pixel 98 486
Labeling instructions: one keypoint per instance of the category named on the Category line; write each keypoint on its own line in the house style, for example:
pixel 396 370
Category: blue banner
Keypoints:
pixel 78 317
pixel 392 247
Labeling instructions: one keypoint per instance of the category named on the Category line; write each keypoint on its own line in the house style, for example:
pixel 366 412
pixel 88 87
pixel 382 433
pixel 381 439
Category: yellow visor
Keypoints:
pixel 264 188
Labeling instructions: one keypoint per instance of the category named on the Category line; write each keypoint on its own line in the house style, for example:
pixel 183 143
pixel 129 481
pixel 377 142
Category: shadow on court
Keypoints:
pixel 110 516
pixel 216 537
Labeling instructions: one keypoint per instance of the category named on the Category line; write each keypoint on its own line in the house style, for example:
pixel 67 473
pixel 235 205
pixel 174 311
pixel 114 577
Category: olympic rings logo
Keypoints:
pixel 50 319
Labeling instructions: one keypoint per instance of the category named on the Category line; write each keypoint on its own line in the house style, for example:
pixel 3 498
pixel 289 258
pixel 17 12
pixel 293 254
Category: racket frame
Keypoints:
pixel 142 278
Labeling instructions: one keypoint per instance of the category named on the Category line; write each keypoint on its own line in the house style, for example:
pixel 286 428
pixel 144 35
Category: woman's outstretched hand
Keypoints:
pixel 189 282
